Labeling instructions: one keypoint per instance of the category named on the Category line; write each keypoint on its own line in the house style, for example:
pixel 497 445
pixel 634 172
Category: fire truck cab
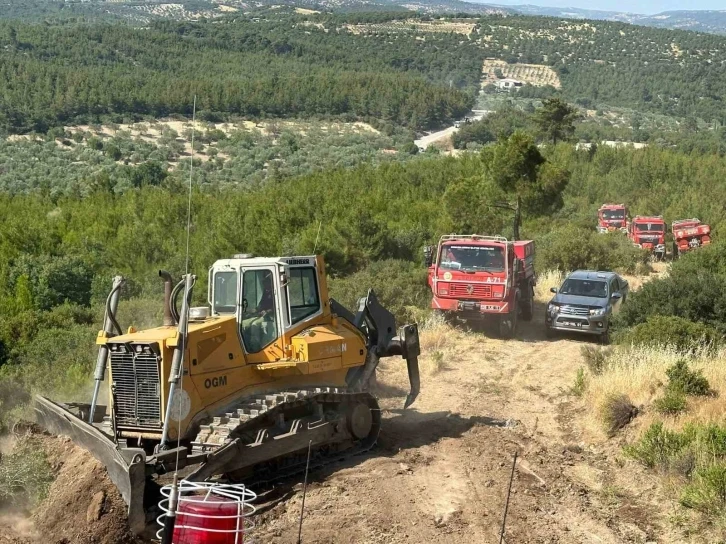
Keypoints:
pixel 479 278
pixel 648 232
pixel 612 217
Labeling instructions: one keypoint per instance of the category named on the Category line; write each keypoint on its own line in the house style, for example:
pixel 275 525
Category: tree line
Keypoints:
pixel 71 73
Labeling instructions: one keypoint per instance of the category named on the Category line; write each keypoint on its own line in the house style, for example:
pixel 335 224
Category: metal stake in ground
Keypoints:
pixel 305 488
pixel 170 520
pixel 506 505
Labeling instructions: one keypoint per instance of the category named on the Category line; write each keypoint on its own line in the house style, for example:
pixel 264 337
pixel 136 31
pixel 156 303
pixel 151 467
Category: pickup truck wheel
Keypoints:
pixel 605 337
pixel 549 332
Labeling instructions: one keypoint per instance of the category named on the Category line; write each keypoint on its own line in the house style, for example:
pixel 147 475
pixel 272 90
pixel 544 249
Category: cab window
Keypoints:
pixel 302 292
pixel 225 292
pixel 258 325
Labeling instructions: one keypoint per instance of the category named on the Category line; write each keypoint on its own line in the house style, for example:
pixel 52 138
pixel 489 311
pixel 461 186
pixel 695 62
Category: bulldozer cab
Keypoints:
pixel 268 297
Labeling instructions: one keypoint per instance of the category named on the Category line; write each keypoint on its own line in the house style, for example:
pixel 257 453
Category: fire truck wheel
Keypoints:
pixel 508 323
pixel 446 317
pixel 528 306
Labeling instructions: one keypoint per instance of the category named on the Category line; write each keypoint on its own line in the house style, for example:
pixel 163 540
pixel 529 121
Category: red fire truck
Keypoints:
pixel 611 217
pixel 479 278
pixel 689 234
pixel 648 232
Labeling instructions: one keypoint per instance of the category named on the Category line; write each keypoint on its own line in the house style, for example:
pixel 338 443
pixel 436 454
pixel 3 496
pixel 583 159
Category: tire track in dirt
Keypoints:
pixel 441 469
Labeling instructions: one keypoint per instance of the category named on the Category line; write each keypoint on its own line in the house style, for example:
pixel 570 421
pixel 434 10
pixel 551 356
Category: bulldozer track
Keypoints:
pixel 252 416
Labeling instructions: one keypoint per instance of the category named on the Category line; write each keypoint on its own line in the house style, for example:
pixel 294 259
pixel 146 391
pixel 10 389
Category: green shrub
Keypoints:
pixel 660 330
pixel 697 298
pixel 56 361
pixel 578 388
pixel 476 132
pixel 697 453
pixel 14 399
pixel 25 474
pixel 671 403
pixel 707 491
pixel 658 446
pixel 709 259
pixel 571 248
pixel 687 381
pixel 53 280
pixel 399 285
pixel 697 445
pixel 499 125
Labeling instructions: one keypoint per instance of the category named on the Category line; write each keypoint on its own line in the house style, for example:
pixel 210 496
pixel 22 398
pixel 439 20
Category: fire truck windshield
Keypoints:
pixel 613 214
pixel 649 227
pixel 472 258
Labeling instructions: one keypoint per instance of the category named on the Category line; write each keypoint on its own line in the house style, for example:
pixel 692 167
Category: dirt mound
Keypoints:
pixel 82 507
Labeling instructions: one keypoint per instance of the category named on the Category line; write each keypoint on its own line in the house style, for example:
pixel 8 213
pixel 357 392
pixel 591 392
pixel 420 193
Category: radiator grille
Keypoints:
pixel 574 310
pixel 481 290
pixel 136 388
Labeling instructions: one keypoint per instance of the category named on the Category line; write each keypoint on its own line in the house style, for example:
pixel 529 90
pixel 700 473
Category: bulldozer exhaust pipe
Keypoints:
pixel 166 277
pixel 109 324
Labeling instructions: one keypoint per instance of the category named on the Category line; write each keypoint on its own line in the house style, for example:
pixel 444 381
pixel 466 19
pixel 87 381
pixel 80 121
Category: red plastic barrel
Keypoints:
pixel 215 520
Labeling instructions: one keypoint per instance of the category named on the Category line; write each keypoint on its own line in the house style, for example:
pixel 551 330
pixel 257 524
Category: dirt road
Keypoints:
pixel 441 470
pixel 441 135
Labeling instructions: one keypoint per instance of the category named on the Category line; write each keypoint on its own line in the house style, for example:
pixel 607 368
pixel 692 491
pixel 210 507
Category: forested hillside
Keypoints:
pixel 66 73
pixel 669 71
pixel 398 208
pixel 386 66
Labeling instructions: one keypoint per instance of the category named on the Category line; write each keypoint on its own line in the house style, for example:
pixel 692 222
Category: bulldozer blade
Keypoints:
pixel 125 467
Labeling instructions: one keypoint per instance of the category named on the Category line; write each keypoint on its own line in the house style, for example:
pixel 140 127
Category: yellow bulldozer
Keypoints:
pixel 240 388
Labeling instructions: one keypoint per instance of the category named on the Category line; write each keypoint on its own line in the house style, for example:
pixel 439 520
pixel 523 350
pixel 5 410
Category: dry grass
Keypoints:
pixel 439 343
pixel 546 280
pixel 640 374
pixel 441 347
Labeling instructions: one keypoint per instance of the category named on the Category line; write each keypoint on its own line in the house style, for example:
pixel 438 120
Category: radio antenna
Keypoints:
pixel 191 171
pixel 317 237
pixel 170 520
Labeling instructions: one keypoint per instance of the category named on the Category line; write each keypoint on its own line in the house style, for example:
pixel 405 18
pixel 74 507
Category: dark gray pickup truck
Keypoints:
pixel 585 303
